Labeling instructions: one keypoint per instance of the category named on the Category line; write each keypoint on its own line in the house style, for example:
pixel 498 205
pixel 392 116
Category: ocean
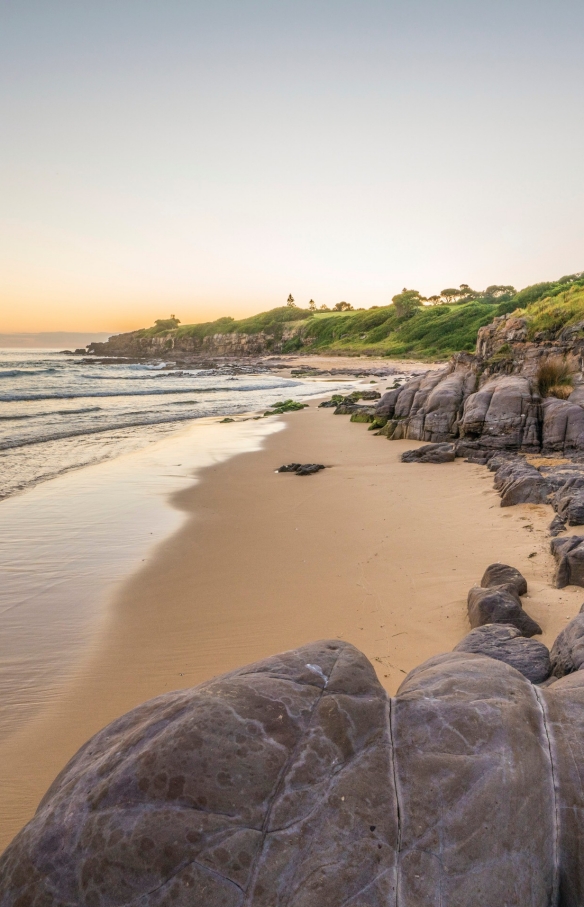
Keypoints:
pixel 60 412
pixel 91 456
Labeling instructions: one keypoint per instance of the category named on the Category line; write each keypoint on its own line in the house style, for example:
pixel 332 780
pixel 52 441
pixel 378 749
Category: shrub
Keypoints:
pixel 555 377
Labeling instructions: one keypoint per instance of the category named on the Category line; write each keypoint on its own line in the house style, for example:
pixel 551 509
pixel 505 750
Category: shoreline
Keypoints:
pixel 372 551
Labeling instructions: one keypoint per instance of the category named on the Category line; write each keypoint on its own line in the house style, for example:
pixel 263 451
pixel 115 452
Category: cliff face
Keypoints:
pixel 235 344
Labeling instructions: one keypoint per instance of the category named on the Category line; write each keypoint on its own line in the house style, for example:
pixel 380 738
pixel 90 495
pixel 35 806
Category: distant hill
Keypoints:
pixel 411 326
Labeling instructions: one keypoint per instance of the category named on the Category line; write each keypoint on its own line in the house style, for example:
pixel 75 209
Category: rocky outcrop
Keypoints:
pixel 505 643
pixel 567 653
pixel 295 782
pixel 499 605
pixel 429 407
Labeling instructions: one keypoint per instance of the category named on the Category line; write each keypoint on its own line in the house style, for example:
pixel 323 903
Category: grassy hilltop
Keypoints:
pixel 411 326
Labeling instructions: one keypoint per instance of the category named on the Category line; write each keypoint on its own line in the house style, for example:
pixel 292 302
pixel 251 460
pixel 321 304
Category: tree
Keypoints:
pixel 343 307
pixel 450 294
pixel 312 305
pixel 290 301
pixel 324 308
pixel 167 324
pixel 407 302
pixel 498 290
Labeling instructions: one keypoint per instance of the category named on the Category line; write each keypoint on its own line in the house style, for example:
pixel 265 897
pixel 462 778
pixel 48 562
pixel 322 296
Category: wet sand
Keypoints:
pixel 371 550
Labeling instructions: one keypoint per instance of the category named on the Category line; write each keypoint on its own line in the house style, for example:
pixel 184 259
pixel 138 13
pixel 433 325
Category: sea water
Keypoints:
pixel 90 458
pixel 60 412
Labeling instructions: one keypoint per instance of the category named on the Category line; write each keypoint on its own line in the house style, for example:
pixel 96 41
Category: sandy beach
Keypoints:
pixel 370 550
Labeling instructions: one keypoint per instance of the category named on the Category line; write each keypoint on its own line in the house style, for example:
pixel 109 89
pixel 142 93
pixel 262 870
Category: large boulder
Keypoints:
pixel 567 653
pixel 504 413
pixel 505 643
pixel 271 785
pixel 499 605
pixel 568 551
pixel 563 426
pixel 497 574
pixel 295 782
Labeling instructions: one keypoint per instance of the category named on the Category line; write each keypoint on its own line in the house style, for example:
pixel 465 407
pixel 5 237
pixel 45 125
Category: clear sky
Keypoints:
pixel 203 159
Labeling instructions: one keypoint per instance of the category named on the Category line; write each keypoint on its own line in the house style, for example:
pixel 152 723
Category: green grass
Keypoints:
pixel 556 312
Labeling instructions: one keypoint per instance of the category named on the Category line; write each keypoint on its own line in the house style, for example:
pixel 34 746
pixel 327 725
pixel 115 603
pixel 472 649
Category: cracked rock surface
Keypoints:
pixel 296 782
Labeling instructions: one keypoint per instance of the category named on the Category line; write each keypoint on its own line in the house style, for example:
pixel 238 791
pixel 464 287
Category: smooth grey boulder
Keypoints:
pixel 499 605
pixel 430 453
pixel 567 654
pixel 496 574
pixel 475 787
pixel 269 786
pixel 505 643
pixel 568 551
pixel 296 782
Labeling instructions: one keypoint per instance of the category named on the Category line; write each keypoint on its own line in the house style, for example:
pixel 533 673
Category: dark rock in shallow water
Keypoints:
pixel 569 554
pixel 567 653
pixel 499 605
pixel 430 453
pixel 294 782
pixel 505 643
pixel 496 574
pixel 302 469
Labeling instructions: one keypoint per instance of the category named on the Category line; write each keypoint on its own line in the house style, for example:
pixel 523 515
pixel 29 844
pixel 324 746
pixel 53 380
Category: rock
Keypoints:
pixel 499 605
pixel 363 414
pixel 430 453
pixel 308 469
pixel 497 574
pixel 369 395
pixel 302 469
pixel 504 413
pixel 556 526
pixel 228 419
pixel 520 483
pixel 569 504
pixel 568 552
pixel 567 653
pixel 295 783
pixel 563 426
pixel 505 643
pixel 430 406
pixel 386 406
pixel 272 785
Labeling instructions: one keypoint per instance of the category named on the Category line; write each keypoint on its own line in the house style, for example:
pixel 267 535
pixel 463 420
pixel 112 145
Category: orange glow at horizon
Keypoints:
pixel 115 315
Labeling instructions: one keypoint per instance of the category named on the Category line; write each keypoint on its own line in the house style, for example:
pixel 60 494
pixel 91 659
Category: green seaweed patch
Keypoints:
pixel 362 417
pixel 285 406
pixel 221 421
pixel 378 422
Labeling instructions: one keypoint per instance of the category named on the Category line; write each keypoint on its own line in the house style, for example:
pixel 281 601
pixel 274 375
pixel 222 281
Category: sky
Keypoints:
pixel 166 157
